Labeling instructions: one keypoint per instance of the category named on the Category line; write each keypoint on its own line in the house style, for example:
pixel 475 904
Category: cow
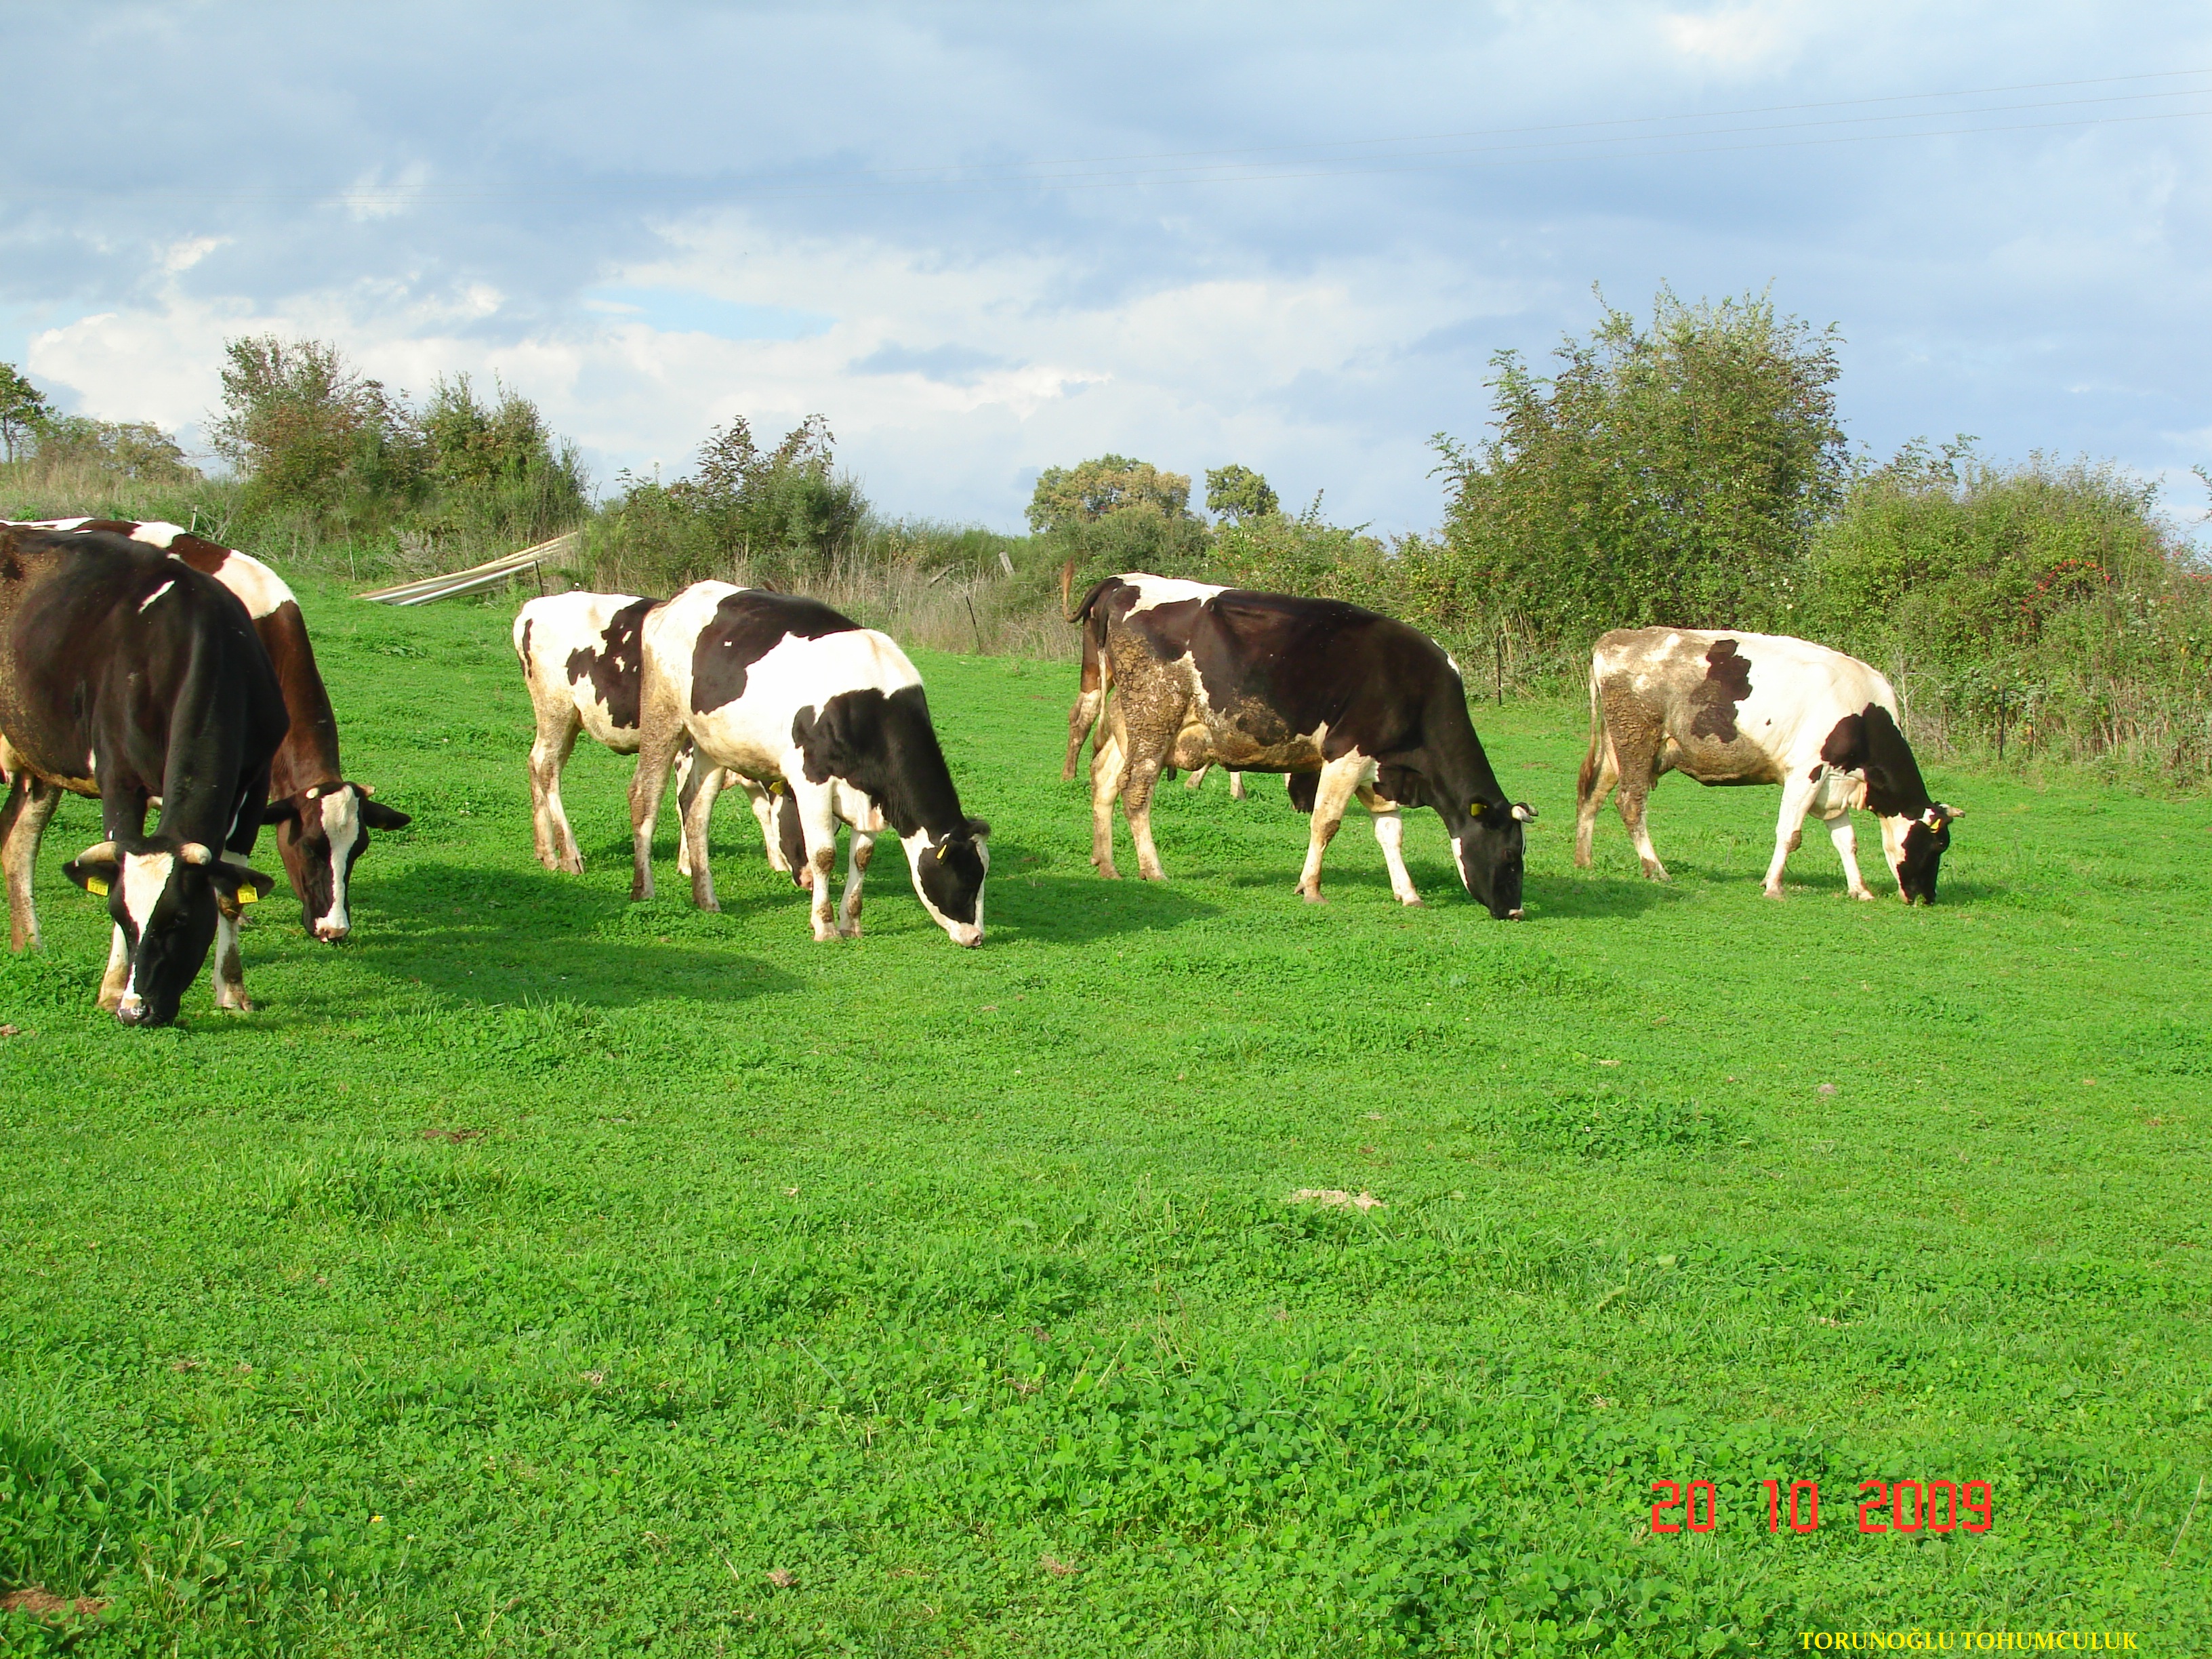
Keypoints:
pixel 1743 708
pixel 126 674
pixel 1201 675
pixel 784 689
pixel 582 662
pixel 322 821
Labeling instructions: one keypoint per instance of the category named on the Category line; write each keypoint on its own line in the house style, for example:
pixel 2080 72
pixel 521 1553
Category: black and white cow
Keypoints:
pixel 128 675
pixel 582 660
pixel 1746 709
pixel 322 821
pixel 1199 676
pixel 779 689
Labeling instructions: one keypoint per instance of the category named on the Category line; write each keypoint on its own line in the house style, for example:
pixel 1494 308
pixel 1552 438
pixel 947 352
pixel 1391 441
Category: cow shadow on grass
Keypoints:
pixel 1594 896
pixel 1035 896
pixel 508 936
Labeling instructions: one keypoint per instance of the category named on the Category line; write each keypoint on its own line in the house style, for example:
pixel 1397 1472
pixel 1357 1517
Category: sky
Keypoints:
pixel 987 238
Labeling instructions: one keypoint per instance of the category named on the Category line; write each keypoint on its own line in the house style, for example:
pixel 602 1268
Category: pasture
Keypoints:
pixel 540 1273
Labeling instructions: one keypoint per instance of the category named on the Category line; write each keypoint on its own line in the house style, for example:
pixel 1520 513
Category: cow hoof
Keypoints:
pixel 243 1005
pixel 1864 895
pixel 1772 892
pixel 1312 896
pixel 1413 903
pixel 1109 872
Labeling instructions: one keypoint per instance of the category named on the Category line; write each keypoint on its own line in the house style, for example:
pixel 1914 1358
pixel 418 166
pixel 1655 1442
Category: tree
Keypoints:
pixel 137 451
pixel 1238 494
pixel 24 410
pixel 1100 489
pixel 310 431
pixel 1667 475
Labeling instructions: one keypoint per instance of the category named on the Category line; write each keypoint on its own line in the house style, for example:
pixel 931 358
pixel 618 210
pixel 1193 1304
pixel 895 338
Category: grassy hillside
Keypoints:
pixel 542 1273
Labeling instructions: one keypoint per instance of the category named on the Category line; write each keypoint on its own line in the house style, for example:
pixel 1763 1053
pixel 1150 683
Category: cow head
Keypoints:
pixel 321 832
pixel 948 878
pixel 1487 840
pixel 164 896
pixel 1915 848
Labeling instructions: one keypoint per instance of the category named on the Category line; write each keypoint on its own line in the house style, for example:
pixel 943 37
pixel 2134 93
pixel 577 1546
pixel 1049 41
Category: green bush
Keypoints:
pixel 1667 475
pixel 2048 601
pixel 779 516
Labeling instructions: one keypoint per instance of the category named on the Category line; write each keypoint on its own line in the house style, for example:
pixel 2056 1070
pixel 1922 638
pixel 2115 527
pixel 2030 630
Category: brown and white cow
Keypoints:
pixel 1193 675
pixel 1746 709
pixel 128 676
pixel 782 689
pixel 322 821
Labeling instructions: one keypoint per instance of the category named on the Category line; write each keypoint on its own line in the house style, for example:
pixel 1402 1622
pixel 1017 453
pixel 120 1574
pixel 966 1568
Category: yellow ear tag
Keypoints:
pixel 1474 809
pixel 941 846
pixel 95 886
pixel 249 896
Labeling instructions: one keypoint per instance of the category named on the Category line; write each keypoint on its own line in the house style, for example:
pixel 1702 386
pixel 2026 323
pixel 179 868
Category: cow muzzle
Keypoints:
pixel 332 932
pixel 1514 915
pixel 966 933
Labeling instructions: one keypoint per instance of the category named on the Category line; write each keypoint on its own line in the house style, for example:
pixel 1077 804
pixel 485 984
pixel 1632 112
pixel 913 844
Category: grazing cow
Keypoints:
pixel 1270 682
pixel 1743 708
pixel 582 661
pixel 130 676
pixel 777 688
pixel 322 821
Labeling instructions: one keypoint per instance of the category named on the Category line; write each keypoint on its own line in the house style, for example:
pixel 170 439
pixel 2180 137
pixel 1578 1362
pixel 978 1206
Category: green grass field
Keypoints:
pixel 542 1273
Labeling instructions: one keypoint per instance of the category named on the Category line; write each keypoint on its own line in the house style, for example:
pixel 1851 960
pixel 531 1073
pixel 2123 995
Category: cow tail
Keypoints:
pixel 1587 780
pixel 1096 664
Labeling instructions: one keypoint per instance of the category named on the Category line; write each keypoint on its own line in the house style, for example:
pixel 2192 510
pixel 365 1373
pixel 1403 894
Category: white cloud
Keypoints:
pixel 1764 35
pixel 1191 373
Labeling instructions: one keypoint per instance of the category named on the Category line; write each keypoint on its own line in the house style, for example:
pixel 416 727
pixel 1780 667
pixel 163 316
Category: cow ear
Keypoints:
pixel 246 885
pixel 377 815
pixel 978 829
pixel 95 869
pixel 1949 811
pixel 278 810
pixel 1524 812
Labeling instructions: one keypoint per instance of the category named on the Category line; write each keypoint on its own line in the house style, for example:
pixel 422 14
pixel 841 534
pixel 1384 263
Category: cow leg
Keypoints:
pixel 656 754
pixel 1237 786
pixel 1390 836
pixel 23 820
pixel 1601 772
pixel 117 975
pixel 1333 792
pixel 818 822
pixel 697 795
pixel 862 849
pixel 691 777
pixel 763 801
pixel 1083 717
pixel 1110 765
pixel 1847 848
pixel 555 842
pixel 229 973
pixel 1198 777
pixel 1638 772
pixel 1790 827
pixel 1145 760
